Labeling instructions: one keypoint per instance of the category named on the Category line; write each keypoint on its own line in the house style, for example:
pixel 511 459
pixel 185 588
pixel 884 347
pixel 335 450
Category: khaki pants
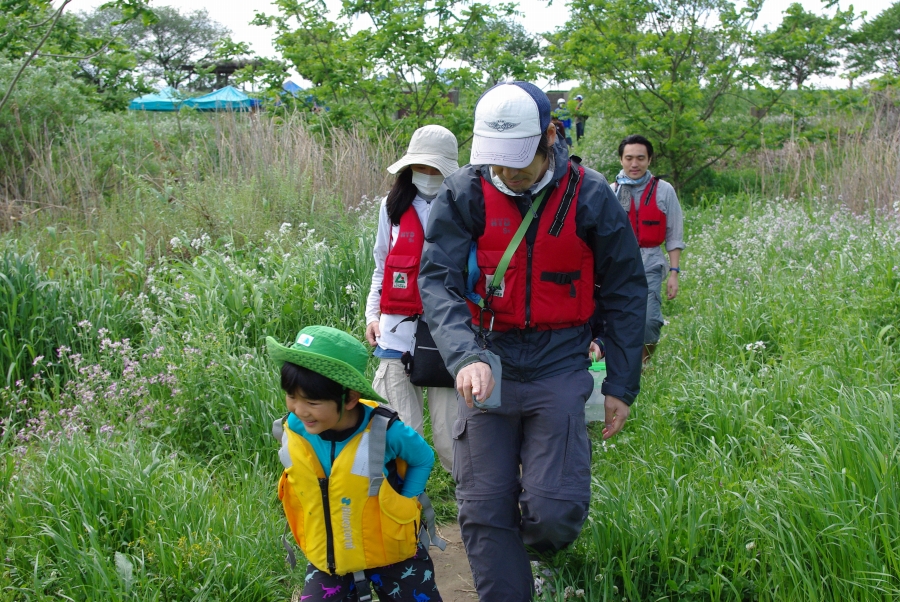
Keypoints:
pixel 392 383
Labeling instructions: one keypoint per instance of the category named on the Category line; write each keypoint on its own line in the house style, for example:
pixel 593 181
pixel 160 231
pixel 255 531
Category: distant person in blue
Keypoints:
pixel 565 116
pixel 580 117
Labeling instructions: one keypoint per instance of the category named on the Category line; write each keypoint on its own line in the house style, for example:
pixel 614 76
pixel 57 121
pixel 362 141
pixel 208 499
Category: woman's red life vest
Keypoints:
pixel 648 222
pixel 549 284
pixel 400 287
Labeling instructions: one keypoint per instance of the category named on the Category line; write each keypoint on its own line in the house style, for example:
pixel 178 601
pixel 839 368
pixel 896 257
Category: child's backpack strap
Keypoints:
pixel 428 535
pixel 381 421
pixel 382 418
pixel 278 427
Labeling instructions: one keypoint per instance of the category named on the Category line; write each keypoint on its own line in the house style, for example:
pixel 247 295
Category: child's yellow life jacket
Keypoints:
pixel 353 519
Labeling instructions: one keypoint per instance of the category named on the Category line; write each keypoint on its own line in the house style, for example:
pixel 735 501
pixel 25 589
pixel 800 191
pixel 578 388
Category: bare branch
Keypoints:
pixel 33 54
pixel 76 58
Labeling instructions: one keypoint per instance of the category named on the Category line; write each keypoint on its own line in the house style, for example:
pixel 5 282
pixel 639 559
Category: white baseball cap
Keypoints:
pixel 509 121
pixel 431 145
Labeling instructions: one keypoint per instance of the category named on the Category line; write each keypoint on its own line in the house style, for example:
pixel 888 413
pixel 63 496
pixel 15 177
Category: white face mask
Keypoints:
pixel 427 185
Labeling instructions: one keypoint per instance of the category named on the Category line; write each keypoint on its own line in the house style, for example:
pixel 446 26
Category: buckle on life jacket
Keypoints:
pixel 484 335
pixel 363 591
pixel 563 278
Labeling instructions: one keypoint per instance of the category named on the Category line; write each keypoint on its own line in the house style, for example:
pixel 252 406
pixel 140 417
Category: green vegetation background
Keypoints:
pixel 761 461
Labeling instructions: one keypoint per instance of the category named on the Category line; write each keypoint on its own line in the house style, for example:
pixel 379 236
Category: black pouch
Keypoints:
pixel 424 365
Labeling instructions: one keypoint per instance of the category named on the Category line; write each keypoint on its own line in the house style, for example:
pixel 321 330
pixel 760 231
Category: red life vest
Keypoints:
pixel 400 287
pixel 547 285
pixel 648 223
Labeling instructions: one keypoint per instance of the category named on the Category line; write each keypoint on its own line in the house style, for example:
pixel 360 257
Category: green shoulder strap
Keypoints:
pixel 513 245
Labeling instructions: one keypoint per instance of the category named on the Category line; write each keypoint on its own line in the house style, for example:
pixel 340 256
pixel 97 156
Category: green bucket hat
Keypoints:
pixel 330 352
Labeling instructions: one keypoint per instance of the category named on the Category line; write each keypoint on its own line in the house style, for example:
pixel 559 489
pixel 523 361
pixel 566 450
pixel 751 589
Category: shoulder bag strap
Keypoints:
pixel 497 277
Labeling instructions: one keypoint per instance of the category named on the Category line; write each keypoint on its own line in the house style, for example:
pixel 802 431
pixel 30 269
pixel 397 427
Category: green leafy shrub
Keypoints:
pixel 46 100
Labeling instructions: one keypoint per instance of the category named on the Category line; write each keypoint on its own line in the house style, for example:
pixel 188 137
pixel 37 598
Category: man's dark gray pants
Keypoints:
pixel 540 426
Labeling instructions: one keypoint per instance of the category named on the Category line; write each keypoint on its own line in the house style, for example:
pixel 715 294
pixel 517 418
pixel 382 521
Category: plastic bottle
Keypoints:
pixel 594 407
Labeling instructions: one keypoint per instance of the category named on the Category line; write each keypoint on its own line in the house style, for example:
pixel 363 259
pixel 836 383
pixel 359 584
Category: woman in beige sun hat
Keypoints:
pixel 394 295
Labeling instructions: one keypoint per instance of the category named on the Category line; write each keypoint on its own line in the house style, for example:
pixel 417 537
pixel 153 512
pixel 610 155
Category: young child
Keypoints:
pixel 353 476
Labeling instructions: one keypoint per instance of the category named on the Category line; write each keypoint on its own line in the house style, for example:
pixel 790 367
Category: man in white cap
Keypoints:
pixel 573 272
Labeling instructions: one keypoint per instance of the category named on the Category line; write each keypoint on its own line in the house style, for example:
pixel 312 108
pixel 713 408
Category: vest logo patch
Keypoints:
pixel 345 523
pixel 503 223
pixel 401 280
pixel 499 292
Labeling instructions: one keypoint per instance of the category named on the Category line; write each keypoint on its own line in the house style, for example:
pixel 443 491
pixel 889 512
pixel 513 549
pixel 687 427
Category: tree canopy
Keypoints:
pixel 416 62
pixel 670 67
pixel 875 47
pixel 804 44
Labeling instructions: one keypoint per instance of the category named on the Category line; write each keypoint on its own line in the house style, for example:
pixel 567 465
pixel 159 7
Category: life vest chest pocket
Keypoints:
pixel 400 520
pixel 509 292
pixel 400 276
pixel 293 510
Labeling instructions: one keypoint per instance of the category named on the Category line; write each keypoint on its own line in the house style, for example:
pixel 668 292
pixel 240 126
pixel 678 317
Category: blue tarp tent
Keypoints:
pixel 292 88
pixel 297 92
pixel 166 99
pixel 224 99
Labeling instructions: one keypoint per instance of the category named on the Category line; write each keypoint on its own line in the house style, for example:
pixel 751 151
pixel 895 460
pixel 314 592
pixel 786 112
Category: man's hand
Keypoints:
pixel 617 412
pixel 595 352
pixel 672 285
pixel 372 331
pixel 475 380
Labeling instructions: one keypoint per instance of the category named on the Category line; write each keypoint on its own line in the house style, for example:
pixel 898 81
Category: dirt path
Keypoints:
pixel 451 568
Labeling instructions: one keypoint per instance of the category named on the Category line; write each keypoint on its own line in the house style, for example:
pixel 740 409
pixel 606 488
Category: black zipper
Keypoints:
pixel 329 533
pixel 528 286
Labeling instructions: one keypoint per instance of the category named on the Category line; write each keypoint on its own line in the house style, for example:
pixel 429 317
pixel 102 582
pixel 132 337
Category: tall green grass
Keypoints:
pixel 129 520
pixel 761 462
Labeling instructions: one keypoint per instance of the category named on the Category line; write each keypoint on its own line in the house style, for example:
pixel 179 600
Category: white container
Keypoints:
pixel 594 407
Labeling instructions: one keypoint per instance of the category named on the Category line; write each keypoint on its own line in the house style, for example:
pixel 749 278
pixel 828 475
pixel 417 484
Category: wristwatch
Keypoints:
pixel 676 270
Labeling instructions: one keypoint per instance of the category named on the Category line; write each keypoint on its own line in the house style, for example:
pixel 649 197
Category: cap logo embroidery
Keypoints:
pixel 305 340
pixel 501 125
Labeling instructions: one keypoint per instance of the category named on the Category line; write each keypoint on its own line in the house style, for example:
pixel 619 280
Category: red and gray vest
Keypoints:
pixel 648 222
pixel 548 284
pixel 400 287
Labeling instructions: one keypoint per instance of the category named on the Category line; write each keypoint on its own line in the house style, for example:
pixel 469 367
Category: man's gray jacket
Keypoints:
pixel 458 218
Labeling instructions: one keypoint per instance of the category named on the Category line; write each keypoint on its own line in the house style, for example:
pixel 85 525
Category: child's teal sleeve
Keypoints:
pixel 405 443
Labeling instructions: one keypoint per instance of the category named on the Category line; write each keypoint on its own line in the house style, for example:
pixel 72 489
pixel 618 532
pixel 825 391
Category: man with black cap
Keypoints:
pixel 528 257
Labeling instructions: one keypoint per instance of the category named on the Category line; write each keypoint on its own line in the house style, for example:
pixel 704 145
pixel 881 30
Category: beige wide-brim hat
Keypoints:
pixel 432 145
